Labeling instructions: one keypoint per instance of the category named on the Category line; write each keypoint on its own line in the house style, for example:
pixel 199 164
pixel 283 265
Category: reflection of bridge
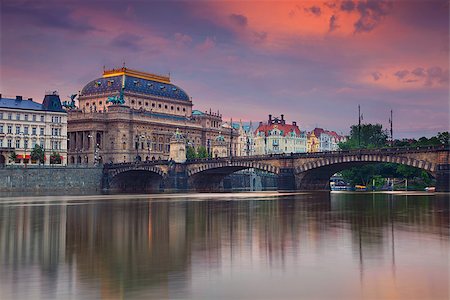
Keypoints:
pixel 301 171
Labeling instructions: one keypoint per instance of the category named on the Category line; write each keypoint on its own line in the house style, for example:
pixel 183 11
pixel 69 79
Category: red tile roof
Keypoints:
pixel 286 128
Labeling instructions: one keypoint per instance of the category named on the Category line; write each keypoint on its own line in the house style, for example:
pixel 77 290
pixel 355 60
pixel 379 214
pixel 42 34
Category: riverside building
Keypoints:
pixel 276 136
pixel 25 123
pixel 128 115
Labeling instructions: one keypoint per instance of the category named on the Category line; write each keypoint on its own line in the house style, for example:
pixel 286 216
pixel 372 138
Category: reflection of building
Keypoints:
pixel 324 140
pixel 128 115
pixel 278 137
pixel 25 123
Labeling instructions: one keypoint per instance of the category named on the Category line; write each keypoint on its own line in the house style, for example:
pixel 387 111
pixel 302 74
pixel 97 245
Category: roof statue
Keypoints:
pixel 177 136
pixel 70 104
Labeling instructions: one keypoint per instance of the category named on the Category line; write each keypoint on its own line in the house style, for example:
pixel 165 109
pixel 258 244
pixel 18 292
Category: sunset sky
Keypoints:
pixel 313 61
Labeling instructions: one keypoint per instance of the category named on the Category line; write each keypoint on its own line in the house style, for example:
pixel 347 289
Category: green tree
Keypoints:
pixel 202 152
pixel 190 152
pixel 55 158
pixel 37 153
pixel 13 156
pixel 372 136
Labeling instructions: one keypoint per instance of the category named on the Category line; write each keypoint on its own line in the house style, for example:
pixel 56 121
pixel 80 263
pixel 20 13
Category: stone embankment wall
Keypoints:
pixel 50 180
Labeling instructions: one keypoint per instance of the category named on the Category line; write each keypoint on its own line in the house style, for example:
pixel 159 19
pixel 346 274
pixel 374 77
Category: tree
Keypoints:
pixel 55 158
pixel 202 152
pixel 372 136
pixel 37 153
pixel 13 156
pixel 190 152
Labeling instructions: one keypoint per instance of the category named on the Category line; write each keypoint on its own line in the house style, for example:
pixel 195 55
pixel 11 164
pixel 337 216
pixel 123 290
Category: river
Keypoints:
pixel 226 246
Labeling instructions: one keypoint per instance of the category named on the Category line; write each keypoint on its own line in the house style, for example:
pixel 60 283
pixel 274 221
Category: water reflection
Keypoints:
pixel 310 245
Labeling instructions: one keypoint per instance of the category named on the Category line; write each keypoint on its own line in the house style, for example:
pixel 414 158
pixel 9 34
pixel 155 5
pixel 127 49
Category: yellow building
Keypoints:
pixel 313 142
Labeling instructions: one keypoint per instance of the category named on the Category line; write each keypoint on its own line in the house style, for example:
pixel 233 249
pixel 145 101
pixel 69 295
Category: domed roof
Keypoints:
pixel 134 81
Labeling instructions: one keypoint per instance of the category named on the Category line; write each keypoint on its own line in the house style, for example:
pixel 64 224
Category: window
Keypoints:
pixel 42 118
pixel 34 118
pixel 159 105
pixel 26 117
pixel 184 109
pixel 100 103
pixel 41 131
pixel 10 116
pixel 25 144
pixel 33 130
pixel 25 130
pixel 17 143
pixel 41 143
pixel 9 144
pixel 153 104
pixel 18 117
pixel 171 108
pixel 9 128
pixel 1 116
pixel 1 128
pixel 33 143
pixel 132 101
pixel 140 103
pixel 1 143
pixel 18 129
pixel 165 106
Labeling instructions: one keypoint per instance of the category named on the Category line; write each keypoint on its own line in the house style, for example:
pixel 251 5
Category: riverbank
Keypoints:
pixel 50 180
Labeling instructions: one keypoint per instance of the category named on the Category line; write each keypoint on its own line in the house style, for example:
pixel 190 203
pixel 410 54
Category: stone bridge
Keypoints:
pixel 300 171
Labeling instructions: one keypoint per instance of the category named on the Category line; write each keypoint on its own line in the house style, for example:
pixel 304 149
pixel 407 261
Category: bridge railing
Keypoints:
pixel 287 156
pixel 323 154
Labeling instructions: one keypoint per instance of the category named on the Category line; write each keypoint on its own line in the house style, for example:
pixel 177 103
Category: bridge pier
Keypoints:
pixel 176 179
pixel 286 180
pixel 443 178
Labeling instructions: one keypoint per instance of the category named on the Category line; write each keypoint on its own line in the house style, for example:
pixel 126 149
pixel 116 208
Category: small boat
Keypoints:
pixel 430 189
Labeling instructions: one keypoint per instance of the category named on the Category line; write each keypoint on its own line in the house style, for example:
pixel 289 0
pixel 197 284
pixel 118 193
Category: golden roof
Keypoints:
pixel 134 73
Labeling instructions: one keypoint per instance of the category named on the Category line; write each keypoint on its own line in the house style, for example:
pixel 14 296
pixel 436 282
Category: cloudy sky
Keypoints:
pixel 313 61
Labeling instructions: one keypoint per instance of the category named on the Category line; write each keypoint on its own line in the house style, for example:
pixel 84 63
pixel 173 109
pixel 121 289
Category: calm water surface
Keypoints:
pixel 225 246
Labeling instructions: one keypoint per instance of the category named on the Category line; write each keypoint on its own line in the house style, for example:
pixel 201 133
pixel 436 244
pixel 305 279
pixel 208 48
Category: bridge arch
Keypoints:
pixel 136 179
pixel 209 176
pixel 316 174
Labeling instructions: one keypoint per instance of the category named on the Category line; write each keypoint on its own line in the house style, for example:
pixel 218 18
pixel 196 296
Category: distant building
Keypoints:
pixel 276 137
pixel 244 145
pixel 128 115
pixel 320 140
pixel 25 123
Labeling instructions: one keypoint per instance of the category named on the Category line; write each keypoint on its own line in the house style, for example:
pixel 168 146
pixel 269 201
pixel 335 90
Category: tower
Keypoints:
pixel 177 147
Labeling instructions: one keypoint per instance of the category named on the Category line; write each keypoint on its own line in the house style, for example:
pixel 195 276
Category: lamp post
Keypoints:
pixel 89 146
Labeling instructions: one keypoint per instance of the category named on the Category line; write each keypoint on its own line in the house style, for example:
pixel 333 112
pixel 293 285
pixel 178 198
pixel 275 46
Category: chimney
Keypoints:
pixel 282 120
pixel 270 119
pixel 19 98
pixel 260 123
pixel 294 123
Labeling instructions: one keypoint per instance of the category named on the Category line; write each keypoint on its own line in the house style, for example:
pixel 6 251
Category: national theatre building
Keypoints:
pixel 127 115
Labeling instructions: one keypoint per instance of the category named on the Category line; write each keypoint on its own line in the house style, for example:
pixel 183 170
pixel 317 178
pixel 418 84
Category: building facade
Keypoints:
pixel 128 115
pixel 277 137
pixel 321 140
pixel 25 123
pixel 246 142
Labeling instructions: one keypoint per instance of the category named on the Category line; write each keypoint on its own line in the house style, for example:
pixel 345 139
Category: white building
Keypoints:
pixel 328 140
pixel 25 123
pixel 245 145
pixel 277 137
